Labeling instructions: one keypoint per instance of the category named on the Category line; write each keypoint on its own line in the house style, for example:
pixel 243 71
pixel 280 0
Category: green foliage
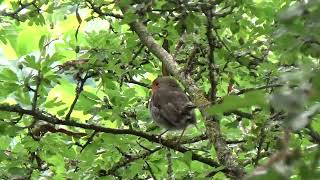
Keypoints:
pixel 81 62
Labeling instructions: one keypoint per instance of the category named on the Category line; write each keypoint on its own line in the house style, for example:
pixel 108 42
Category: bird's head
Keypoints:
pixel 164 82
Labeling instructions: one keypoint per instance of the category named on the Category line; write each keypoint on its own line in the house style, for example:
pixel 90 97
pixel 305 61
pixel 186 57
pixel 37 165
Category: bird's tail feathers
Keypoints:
pixel 189 106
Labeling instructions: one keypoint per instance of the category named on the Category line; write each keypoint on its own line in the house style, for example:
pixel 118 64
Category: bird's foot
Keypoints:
pixel 160 135
pixel 159 139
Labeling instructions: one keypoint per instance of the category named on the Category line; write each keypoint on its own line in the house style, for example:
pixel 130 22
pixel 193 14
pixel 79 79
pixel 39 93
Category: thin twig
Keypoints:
pixel 15 13
pixel 191 61
pixel 262 137
pixel 79 89
pixel 99 11
pixel 180 44
pixel 88 141
pixel 132 81
pixel 150 170
pixel 242 91
pixel 239 113
pixel 125 161
pixel 36 91
pixel 313 134
pixel 170 169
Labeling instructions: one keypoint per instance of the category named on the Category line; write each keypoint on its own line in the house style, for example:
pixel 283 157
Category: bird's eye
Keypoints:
pixel 157 84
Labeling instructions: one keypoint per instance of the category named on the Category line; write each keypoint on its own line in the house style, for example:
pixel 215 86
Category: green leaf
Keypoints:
pixel 30 144
pixel 134 169
pixel 22 97
pixel 123 3
pixel 53 103
pixel 4 142
pixel 8 75
pixel 235 28
pixel 48 61
pixel 58 164
pixel 189 21
pixel 30 61
pixel 187 158
pixel 16 171
pixel 41 42
pixel 233 102
pixel 129 17
pixel 27 38
pixel 7 89
pixel 213 153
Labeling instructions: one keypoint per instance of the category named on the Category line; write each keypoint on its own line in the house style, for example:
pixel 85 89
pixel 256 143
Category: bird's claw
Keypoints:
pixel 159 139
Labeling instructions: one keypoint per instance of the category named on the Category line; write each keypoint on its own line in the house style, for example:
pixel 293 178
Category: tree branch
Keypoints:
pixel 79 89
pixel 153 138
pixel 211 65
pixel 90 139
pixel 262 137
pixel 99 11
pixel 125 161
pixel 191 61
pixel 170 169
pixel 239 113
pixel 313 134
pixel 15 13
pixel 151 171
pixel 242 91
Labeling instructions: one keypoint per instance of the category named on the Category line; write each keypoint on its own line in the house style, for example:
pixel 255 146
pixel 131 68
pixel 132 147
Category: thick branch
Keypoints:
pixel 212 74
pixel 153 138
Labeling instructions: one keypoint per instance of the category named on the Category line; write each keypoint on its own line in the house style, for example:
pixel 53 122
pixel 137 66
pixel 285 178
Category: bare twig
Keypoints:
pixel 170 170
pixel 191 61
pixel 36 91
pixel 79 89
pixel 313 134
pixel 150 170
pixel 179 44
pixel 88 141
pixel 239 113
pixel 136 54
pixel 262 137
pixel 132 81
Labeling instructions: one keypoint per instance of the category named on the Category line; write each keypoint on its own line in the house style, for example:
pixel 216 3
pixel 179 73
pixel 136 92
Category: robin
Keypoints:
pixel 170 106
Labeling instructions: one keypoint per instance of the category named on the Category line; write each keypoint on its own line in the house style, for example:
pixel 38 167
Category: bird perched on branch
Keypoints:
pixel 170 107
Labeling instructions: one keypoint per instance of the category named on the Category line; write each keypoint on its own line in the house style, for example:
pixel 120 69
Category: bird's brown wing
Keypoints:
pixel 163 101
pixel 171 105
